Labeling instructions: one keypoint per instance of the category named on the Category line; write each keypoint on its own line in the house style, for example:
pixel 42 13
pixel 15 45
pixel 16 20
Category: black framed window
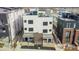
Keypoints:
pixel 45 23
pixel 30 39
pixel 49 40
pixel 26 39
pixel 30 29
pixel 45 30
pixel 30 21
pixel 68 36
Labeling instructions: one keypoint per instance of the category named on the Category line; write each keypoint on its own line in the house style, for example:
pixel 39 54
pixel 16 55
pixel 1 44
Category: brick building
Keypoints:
pixel 68 28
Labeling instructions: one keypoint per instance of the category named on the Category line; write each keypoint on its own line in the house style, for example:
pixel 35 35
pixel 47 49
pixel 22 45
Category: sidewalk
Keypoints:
pixel 59 47
pixel 5 49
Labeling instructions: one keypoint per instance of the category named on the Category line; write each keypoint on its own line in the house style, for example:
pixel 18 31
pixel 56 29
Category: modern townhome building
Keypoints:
pixel 3 24
pixel 68 28
pixel 37 26
pixel 58 13
pixel 10 21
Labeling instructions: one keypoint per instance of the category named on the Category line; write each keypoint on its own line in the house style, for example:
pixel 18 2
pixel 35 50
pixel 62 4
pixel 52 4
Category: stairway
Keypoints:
pixel 58 45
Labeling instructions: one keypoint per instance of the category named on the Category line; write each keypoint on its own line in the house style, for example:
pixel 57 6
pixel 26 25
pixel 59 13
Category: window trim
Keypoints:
pixel 68 25
pixel 45 24
pixel 50 41
pixel 46 31
pixel 31 28
pixel 30 20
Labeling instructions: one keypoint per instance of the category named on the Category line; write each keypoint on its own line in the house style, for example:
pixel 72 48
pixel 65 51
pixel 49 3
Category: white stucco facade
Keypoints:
pixel 37 23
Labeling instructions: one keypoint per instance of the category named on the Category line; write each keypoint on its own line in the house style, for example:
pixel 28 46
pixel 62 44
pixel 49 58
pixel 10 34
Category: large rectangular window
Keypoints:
pixel 68 36
pixel 74 25
pixel 30 21
pixel 30 39
pixel 68 25
pixel 45 23
pixel 45 30
pixel 30 29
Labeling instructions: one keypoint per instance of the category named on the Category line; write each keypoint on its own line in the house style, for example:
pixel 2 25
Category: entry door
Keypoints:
pixel 68 37
pixel 26 39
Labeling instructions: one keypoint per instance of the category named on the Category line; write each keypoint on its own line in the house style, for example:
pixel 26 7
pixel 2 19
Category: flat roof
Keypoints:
pixel 6 9
pixel 66 19
pixel 37 15
pixel 10 8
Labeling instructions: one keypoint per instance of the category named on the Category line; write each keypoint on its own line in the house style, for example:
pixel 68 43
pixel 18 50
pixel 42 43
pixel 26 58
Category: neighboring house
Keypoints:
pixel 11 17
pixel 68 28
pixel 3 24
pixel 15 21
pixel 37 26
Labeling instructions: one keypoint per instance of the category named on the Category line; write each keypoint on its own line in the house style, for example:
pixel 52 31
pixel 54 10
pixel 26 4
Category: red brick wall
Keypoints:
pixel 64 35
pixel 76 35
